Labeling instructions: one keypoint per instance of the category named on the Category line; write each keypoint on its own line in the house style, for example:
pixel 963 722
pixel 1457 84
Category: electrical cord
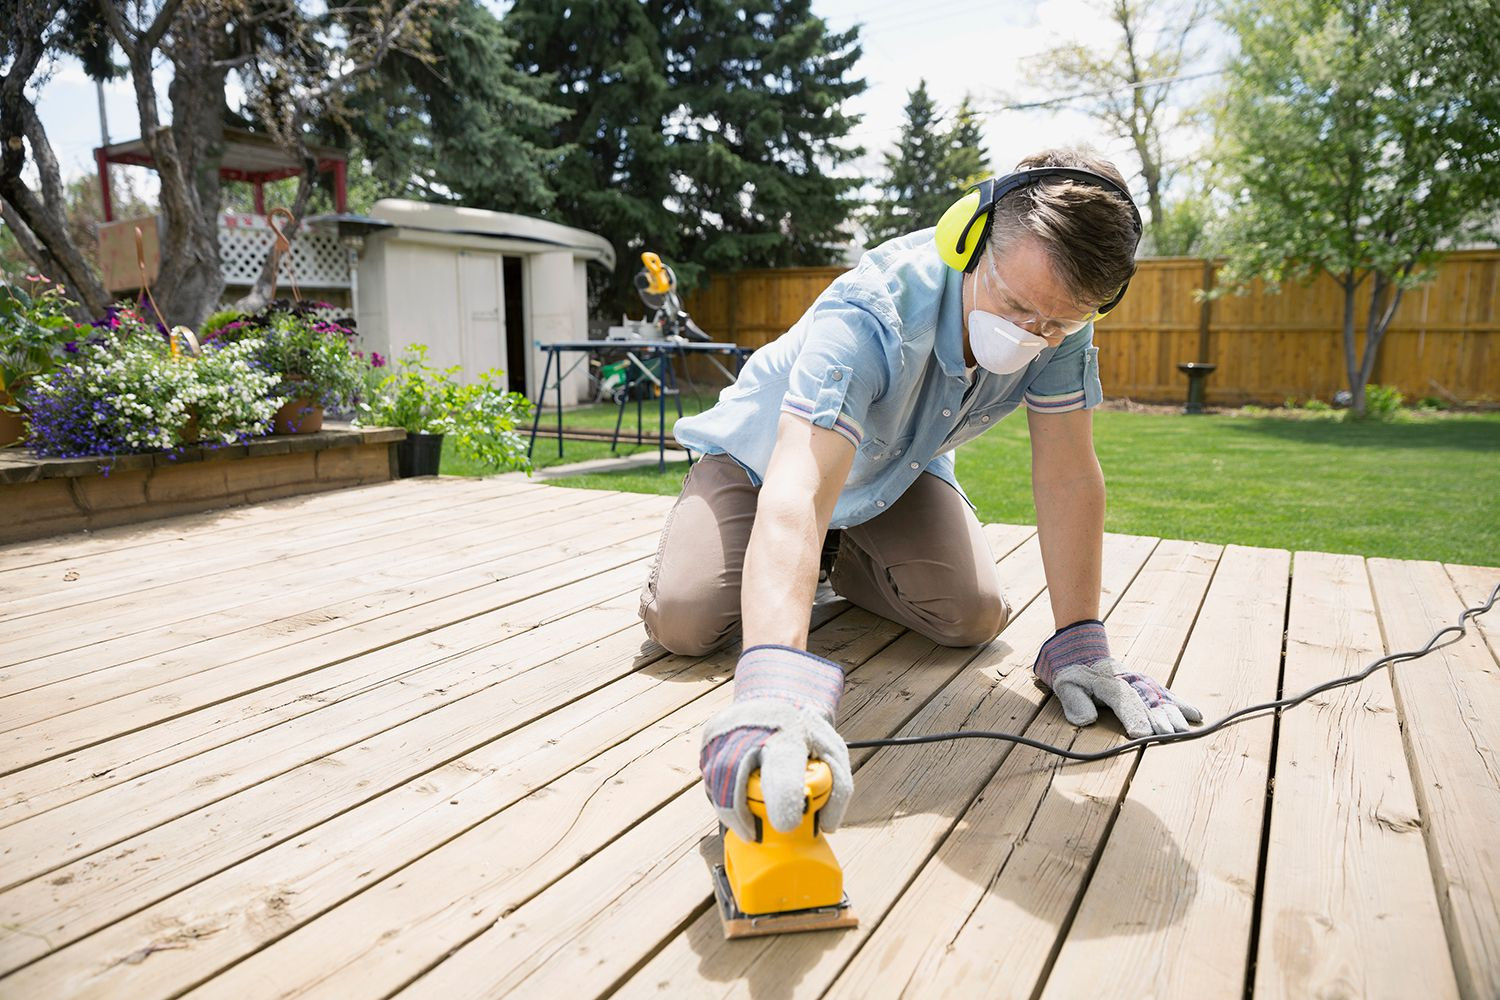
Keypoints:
pixel 1197 734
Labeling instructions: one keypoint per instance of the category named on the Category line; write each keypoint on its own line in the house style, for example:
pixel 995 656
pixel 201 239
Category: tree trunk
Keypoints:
pixel 1351 370
pixel 195 284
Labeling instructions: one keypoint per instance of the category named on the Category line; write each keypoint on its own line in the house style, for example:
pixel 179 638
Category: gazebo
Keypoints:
pixel 248 156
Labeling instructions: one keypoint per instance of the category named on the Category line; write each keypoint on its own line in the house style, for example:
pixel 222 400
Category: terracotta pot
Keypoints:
pixel 299 416
pixel 12 425
pixel 190 433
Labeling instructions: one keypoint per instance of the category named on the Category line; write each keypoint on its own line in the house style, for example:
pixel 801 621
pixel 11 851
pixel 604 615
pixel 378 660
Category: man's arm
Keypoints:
pixel 1068 487
pixel 808 469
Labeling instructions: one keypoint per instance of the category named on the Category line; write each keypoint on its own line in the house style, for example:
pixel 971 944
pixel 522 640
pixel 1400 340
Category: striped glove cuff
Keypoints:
pixel 795 676
pixel 1081 642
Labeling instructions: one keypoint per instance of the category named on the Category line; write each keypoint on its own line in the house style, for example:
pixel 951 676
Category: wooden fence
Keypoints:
pixel 1444 341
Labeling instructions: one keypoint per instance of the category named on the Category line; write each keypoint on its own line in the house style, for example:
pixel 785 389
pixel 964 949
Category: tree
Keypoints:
pixel 450 129
pixel 754 133
pixel 606 64
pixel 965 163
pixel 916 190
pixel 1361 151
pixel 706 131
pixel 1129 89
pixel 295 66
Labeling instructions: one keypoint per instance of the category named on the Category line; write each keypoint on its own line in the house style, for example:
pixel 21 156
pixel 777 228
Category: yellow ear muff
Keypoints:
pixel 961 227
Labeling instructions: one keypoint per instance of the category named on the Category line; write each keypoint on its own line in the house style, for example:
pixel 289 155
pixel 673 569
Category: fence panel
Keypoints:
pixel 1269 347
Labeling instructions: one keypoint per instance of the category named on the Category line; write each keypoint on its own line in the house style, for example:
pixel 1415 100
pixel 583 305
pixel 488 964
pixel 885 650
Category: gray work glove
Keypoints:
pixel 1075 663
pixel 782 714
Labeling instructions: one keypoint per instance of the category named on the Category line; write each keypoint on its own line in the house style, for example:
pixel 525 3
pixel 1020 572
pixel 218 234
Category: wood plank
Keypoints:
pixel 346 671
pixel 1168 909
pixel 66 680
pixel 1475 584
pixel 1348 906
pixel 385 936
pixel 166 600
pixel 597 924
pixel 227 521
pixel 75 582
pixel 246 797
pixel 601 766
pixel 468 593
pixel 994 894
pixel 1449 705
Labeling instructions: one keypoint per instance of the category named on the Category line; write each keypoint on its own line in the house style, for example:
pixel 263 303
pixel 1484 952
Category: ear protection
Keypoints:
pixel 964 229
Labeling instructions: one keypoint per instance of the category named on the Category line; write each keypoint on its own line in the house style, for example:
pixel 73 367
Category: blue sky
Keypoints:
pixel 958 46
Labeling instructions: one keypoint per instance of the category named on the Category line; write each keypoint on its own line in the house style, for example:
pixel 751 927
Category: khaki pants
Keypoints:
pixel 923 563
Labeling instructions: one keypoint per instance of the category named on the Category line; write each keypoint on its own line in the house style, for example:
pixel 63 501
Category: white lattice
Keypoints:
pixel 317 259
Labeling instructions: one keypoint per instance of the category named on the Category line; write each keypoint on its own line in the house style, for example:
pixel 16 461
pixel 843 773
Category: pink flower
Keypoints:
pixel 376 360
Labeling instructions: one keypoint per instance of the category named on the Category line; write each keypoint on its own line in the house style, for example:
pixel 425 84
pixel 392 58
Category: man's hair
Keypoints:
pixel 1087 232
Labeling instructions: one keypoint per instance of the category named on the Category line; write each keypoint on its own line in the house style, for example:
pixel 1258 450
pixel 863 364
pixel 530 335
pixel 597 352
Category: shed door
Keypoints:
pixel 482 312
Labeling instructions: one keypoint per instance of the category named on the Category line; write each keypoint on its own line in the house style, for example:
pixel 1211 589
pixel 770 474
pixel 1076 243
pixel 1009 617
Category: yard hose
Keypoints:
pixel 1251 711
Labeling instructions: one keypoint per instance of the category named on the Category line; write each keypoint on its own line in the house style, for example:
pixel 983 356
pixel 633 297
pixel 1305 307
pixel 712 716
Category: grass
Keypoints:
pixel 1423 487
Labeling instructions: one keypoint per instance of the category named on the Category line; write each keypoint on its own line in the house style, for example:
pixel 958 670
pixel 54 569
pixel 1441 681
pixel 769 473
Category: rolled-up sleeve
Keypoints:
pixel 841 368
pixel 1070 379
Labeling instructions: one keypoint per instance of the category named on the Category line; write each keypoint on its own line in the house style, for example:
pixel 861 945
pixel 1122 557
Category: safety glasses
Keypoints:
pixel 1019 309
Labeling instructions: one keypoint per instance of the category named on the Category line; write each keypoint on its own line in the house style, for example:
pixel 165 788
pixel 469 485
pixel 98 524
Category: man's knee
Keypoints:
pixel 687 624
pixel 978 621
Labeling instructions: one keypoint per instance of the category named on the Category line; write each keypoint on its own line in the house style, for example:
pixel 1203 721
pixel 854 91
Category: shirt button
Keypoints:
pixel 880 503
pixel 947 413
pixel 838 376
pixel 984 420
pixel 914 465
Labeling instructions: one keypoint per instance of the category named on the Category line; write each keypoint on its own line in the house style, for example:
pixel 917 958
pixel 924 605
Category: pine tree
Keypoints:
pixel 612 175
pixel 756 131
pixel 917 187
pixel 965 162
pixel 454 128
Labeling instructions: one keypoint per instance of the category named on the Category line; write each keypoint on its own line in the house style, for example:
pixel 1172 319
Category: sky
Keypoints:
pixel 958 46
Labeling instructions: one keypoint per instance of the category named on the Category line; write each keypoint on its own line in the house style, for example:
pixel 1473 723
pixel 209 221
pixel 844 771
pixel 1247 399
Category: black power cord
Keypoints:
pixel 1197 734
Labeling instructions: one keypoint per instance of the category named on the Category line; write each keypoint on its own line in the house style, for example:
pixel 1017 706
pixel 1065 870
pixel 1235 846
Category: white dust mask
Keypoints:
pixel 1001 346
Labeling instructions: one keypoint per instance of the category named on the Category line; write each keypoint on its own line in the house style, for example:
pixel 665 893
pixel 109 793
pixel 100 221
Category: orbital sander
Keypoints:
pixel 782 882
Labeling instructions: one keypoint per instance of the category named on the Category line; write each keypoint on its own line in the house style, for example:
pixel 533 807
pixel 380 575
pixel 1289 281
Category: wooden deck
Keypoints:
pixel 411 740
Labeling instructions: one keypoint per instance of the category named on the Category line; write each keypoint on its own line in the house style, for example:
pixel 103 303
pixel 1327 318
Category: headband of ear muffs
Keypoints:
pixel 964 228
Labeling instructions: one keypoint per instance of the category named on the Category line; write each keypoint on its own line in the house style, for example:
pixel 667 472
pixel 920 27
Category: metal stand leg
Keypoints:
pixel 559 407
pixel 541 404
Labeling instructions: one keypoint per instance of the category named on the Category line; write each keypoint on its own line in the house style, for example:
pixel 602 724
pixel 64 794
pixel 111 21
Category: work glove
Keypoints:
pixel 1075 663
pixel 782 714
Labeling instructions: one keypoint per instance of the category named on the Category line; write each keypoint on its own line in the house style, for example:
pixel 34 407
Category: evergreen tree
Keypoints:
pixel 965 162
pixel 612 175
pixel 914 193
pixel 755 131
pixel 454 128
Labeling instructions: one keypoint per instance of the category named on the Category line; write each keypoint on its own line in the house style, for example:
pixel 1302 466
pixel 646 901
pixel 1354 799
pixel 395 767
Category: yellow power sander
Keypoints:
pixel 785 882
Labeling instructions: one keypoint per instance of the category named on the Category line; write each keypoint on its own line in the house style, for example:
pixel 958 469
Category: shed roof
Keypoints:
pixel 458 219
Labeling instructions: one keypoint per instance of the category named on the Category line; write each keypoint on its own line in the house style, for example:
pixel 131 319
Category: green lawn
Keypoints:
pixel 1426 487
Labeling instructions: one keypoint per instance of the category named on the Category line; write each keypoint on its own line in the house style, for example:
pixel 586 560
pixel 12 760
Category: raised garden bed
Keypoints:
pixel 48 496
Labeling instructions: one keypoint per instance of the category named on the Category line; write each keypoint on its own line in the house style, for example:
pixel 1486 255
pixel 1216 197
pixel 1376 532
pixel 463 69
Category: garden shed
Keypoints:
pixel 480 288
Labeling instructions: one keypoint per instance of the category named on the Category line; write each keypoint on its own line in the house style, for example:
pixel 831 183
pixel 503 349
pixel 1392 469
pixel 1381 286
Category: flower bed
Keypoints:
pixel 124 419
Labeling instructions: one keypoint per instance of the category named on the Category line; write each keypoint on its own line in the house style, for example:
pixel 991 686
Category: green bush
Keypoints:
pixel 479 417
pixel 1382 402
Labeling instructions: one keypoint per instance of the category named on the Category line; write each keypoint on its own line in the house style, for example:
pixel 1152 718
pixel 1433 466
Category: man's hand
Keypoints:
pixel 1075 663
pixel 783 710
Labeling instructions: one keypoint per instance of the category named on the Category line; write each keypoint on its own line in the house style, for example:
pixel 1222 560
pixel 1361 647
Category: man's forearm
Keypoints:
pixel 1070 524
pixel 781 570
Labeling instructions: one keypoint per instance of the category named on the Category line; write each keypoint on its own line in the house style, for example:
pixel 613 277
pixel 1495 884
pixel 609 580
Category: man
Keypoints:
pixel 849 420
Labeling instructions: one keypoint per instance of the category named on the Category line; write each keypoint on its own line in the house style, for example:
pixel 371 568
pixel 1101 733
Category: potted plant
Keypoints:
pixel 125 391
pixel 430 403
pixel 312 358
pixel 35 332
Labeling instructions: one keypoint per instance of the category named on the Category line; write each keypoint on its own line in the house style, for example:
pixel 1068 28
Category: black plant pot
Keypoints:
pixel 419 455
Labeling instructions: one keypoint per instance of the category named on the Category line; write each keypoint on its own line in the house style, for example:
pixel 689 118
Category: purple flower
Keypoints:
pixel 71 347
pixel 376 360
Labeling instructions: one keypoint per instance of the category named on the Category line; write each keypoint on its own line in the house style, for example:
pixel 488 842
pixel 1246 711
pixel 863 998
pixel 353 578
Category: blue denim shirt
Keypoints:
pixel 879 359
